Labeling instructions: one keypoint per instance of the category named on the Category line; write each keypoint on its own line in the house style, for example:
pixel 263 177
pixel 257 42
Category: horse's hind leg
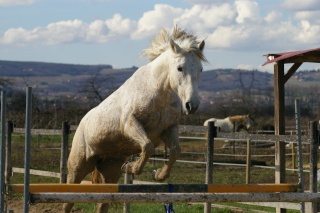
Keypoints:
pixel 110 171
pixel 78 168
pixel 171 138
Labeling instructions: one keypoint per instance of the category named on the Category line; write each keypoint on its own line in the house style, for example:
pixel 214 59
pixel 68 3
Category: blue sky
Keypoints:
pixel 237 33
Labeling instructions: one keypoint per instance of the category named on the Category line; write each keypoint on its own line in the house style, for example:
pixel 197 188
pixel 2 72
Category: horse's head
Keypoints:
pixel 249 121
pixel 185 68
pixel 181 63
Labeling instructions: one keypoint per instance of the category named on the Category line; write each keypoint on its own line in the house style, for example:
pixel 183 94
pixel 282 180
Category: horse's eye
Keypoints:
pixel 201 70
pixel 179 69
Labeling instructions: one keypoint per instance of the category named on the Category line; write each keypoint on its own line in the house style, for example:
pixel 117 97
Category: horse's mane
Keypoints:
pixel 161 43
pixel 238 118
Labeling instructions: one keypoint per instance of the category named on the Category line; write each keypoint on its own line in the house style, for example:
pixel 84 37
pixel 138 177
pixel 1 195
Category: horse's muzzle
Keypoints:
pixel 191 109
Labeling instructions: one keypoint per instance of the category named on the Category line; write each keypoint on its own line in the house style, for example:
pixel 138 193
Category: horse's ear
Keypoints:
pixel 175 47
pixel 201 46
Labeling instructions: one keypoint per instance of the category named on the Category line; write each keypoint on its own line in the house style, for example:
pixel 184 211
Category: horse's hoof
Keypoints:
pixel 154 175
pixel 123 167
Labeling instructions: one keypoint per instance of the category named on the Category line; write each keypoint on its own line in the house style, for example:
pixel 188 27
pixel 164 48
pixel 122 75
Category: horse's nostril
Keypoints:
pixel 188 106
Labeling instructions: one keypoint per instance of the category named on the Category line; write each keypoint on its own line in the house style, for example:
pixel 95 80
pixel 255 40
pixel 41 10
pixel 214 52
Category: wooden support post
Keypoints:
pixel 248 166
pixel 8 170
pixel 293 156
pixel 212 133
pixel 64 152
pixel 313 161
pixel 279 121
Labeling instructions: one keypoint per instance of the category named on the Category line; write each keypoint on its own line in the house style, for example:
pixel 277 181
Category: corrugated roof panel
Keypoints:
pixel 274 57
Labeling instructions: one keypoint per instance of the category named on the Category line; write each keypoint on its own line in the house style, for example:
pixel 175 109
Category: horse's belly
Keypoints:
pixel 115 148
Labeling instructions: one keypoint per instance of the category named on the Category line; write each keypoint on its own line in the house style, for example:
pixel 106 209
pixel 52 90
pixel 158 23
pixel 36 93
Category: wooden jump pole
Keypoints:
pixel 171 197
pixel 155 188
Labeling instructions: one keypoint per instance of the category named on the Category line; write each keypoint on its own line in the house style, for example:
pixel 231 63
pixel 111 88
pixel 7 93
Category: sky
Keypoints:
pixel 237 33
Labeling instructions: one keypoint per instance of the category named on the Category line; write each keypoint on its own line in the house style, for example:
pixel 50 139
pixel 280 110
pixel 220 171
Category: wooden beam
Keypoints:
pixel 251 188
pixel 171 197
pixel 302 59
pixel 291 71
pixel 155 188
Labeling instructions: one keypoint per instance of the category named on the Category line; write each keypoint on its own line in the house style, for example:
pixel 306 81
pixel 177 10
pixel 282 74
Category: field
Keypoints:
pixel 45 155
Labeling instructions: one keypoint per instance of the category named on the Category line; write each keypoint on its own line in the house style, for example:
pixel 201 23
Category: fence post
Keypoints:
pixel 248 166
pixel 26 194
pixel 128 179
pixel 212 133
pixel 293 156
pixel 64 151
pixel 2 152
pixel 8 170
pixel 298 132
pixel 313 161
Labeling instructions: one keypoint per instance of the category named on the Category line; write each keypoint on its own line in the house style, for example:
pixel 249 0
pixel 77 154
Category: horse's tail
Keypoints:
pixel 96 176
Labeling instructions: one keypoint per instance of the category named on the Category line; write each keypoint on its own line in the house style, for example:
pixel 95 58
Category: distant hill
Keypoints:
pixel 230 79
pixel 54 79
pixel 17 68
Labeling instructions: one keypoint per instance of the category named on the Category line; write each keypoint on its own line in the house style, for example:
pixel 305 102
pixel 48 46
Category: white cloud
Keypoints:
pixel 308 33
pixel 247 11
pixel 161 17
pixel 234 25
pixel 245 67
pixel 70 31
pixel 301 5
pixel 204 18
pixel 311 16
pixel 119 26
pixel 15 2
pixel 273 17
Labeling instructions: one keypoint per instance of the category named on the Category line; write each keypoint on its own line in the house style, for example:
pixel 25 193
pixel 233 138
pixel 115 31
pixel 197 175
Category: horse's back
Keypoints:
pixel 209 120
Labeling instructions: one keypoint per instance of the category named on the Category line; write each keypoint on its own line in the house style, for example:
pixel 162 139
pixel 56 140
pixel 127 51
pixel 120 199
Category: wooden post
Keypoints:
pixel 8 170
pixel 2 150
pixel 38 140
pixel 279 121
pixel 313 161
pixel 248 166
pixel 212 133
pixel 128 179
pixel 293 156
pixel 64 152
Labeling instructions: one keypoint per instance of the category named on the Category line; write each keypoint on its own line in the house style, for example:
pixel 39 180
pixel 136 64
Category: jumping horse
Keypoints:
pixel 232 123
pixel 142 114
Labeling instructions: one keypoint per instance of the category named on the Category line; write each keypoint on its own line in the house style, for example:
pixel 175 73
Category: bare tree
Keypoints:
pixel 98 87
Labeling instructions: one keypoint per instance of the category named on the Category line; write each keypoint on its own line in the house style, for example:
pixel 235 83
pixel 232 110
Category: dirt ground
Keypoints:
pixel 16 204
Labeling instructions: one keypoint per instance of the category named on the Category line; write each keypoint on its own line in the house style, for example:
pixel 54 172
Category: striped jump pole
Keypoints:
pixel 155 188
pixel 172 197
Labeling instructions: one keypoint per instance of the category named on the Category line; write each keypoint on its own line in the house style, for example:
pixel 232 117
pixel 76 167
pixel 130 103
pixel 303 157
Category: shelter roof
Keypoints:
pixel 311 55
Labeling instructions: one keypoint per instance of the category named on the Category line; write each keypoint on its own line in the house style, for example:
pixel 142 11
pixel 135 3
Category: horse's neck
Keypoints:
pixel 237 119
pixel 160 74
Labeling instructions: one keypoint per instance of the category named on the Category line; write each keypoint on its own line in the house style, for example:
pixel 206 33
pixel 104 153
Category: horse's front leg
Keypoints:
pixel 171 139
pixel 135 131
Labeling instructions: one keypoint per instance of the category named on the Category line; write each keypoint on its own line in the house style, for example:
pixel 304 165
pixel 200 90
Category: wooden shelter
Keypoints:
pixel 280 78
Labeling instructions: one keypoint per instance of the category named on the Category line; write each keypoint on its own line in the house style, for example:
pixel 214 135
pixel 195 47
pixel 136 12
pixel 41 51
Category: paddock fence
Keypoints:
pixel 295 194
pixel 57 196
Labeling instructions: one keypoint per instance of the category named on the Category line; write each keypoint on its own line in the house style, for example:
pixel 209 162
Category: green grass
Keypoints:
pixel 46 159
pixel 154 208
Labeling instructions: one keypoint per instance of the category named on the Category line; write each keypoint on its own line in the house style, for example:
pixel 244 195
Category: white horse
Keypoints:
pixel 232 123
pixel 141 114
